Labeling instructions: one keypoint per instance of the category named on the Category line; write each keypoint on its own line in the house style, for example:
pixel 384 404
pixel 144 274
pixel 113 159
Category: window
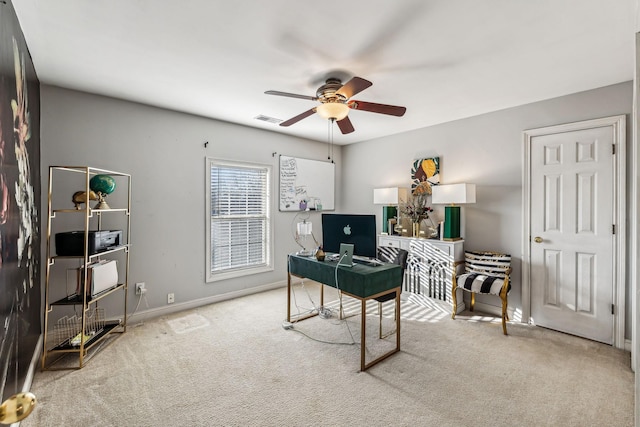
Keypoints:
pixel 239 224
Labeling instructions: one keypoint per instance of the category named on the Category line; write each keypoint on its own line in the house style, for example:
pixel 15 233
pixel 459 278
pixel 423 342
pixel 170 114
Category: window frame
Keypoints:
pixel 268 247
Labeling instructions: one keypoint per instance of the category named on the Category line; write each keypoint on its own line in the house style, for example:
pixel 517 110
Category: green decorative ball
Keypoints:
pixel 104 184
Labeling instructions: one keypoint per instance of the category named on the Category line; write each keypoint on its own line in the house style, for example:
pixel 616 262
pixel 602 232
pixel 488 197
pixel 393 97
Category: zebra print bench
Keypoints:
pixel 484 273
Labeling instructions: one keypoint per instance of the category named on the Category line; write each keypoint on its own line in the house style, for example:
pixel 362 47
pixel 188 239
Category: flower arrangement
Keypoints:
pixel 416 208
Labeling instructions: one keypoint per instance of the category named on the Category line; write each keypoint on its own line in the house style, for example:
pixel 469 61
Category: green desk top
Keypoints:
pixel 360 280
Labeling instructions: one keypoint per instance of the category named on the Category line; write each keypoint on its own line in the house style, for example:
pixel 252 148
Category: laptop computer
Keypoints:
pixel 345 257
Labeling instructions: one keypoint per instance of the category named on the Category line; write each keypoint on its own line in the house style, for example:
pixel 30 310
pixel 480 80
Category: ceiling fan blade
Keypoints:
pixel 299 117
pixel 345 125
pixel 353 86
pixel 291 95
pixel 391 110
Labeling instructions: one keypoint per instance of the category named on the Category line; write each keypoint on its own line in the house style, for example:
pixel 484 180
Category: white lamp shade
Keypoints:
pixel 304 228
pixel 390 196
pixel 453 194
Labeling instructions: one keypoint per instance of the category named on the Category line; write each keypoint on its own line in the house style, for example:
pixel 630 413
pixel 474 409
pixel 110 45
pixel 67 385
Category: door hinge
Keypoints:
pixel 613 309
pixel 613 229
pixel 613 149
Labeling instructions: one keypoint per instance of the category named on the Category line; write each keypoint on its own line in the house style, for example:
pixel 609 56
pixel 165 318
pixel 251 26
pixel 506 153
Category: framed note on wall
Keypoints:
pixel 306 183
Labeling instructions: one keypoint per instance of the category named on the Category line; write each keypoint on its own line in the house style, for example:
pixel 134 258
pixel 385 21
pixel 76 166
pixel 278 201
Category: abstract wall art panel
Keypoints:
pixel 19 205
pixel 424 174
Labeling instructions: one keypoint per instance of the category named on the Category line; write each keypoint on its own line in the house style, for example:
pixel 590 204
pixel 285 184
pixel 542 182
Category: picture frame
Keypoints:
pixel 425 173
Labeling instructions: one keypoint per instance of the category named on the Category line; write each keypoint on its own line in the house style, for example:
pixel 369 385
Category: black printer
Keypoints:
pixel 71 243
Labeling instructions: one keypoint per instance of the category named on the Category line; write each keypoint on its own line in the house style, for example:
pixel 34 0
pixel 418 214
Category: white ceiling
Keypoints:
pixel 442 59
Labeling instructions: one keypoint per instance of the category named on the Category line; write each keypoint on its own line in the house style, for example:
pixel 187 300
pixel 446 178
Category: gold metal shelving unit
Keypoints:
pixel 70 340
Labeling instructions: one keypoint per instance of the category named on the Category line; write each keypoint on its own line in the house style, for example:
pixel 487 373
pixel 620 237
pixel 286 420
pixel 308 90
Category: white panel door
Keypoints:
pixel 572 242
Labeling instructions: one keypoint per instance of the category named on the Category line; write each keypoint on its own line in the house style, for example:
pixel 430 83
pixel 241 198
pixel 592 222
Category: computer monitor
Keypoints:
pixel 359 230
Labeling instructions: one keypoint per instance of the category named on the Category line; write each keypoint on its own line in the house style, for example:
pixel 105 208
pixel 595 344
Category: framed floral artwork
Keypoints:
pixel 424 174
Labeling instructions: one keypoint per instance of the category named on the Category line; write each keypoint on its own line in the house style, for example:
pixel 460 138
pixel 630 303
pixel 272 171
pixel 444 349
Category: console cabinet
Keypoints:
pixel 429 265
pixel 77 294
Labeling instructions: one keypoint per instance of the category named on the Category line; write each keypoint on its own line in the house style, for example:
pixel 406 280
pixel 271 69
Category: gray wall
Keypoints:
pixel 164 151
pixel 486 150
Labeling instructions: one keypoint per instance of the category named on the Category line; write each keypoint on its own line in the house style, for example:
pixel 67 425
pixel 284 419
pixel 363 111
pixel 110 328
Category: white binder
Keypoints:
pixel 102 275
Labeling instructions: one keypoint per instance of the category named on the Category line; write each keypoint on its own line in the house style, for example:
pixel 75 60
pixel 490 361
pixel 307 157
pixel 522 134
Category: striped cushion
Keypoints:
pixel 484 272
pixel 481 284
pixel 393 255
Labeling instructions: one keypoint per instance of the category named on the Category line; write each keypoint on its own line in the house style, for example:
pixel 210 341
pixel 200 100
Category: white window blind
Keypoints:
pixel 239 232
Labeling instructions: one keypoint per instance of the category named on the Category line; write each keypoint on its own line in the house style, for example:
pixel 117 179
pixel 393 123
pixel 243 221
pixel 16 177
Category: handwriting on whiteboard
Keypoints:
pixel 305 183
pixel 288 173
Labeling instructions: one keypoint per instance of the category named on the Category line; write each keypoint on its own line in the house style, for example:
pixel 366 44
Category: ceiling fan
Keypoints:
pixel 335 103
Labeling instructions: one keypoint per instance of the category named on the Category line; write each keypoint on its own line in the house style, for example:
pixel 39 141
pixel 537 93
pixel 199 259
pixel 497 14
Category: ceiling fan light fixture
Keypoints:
pixel 335 103
pixel 332 110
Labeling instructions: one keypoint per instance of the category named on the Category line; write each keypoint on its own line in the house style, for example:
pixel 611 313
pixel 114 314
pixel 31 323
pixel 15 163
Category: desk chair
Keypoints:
pixel 484 273
pixel 395 256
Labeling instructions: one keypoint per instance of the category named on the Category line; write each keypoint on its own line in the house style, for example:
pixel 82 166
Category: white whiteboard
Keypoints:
pixel 307 180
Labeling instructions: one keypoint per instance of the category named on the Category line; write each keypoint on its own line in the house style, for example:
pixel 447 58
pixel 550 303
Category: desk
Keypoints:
pixel 361 282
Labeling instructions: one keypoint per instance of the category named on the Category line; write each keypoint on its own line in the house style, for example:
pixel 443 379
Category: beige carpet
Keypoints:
pixel 233 364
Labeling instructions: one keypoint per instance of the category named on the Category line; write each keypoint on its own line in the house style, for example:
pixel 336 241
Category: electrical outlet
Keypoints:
pixel 140 288
pixel 170 298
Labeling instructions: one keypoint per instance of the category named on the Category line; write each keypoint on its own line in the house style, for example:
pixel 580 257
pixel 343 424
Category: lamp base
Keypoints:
pixel 102 205
pixel 388 212
pixel 102 201
pixel 451 223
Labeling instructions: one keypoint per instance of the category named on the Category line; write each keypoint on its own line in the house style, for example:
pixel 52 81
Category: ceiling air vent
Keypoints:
pixel 267 119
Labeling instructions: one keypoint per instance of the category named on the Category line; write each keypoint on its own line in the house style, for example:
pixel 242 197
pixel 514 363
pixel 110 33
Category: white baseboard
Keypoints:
pixel 142 316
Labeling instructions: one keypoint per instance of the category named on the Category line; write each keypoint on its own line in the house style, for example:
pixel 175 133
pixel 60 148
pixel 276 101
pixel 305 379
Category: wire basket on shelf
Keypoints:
pixel 67 331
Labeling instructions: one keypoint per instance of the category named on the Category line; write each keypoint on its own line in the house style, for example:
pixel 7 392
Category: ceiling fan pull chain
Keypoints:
pixel 331 133
pixel 329 140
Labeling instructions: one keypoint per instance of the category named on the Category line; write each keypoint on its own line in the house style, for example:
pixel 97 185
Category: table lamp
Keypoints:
pixel 390 198
pixel 304 235
pixel 452 195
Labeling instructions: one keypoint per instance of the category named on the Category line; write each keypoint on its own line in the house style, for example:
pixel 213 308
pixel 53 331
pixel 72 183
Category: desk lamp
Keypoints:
pixel 304 236
pixel 451 195
pixel 390 198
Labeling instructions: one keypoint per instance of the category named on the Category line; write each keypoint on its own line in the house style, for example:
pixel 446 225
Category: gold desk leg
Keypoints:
pixel 363 332
pixel 398 320
pixel 299 317
pixel 364 366
pixel 288 297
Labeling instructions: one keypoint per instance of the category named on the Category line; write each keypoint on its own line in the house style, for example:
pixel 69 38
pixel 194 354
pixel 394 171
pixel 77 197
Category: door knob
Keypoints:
pixel 538 240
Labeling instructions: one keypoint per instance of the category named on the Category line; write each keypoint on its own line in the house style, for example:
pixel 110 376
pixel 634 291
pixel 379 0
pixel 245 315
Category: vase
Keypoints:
pixel 416 229
pixel 431 231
